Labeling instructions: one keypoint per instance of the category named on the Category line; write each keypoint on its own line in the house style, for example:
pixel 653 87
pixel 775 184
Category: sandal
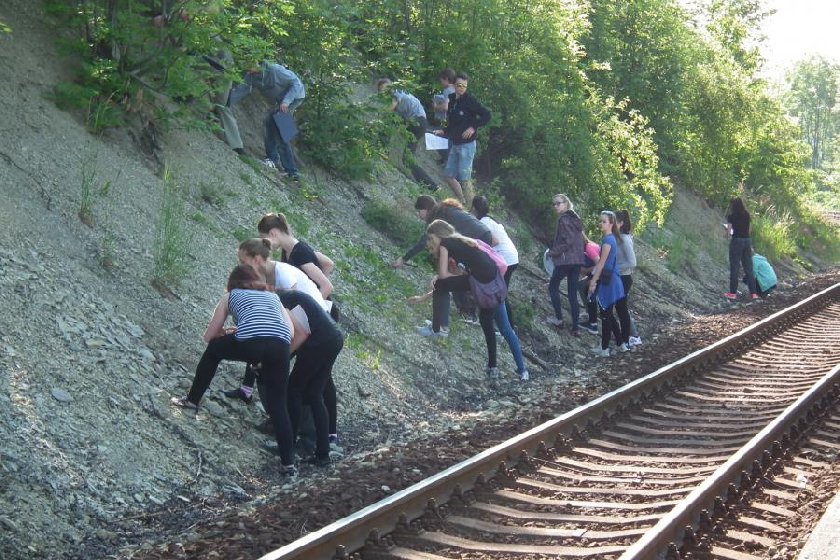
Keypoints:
pixel 182 402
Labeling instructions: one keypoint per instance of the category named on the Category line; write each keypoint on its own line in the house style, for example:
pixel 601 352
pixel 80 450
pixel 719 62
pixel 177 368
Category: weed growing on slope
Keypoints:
pixel 211 193
pixel 91 190
pixel 172 237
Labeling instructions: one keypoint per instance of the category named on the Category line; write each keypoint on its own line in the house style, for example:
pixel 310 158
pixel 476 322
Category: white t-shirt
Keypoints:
pixel 505 246
pixel 288 277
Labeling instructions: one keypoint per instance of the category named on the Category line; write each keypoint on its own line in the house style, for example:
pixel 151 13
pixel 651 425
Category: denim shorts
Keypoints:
pixel 460 161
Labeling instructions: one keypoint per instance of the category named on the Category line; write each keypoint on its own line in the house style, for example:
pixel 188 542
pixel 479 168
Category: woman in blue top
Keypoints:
pixel 262 336
pixel 610 289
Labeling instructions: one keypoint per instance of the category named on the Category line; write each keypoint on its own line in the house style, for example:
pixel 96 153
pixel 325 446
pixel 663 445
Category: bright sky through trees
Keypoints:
pixel 799 29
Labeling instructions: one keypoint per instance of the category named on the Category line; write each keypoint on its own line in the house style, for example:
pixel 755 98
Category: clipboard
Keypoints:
pixel 285 124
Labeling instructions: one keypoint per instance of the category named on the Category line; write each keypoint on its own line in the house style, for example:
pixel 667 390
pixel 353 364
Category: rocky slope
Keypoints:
pixel 90 352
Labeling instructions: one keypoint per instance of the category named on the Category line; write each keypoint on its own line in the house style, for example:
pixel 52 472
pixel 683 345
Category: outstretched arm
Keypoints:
pixel 215 328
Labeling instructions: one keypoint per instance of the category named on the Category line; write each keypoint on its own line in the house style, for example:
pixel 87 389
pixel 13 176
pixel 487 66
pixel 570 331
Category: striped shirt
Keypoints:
pixel 257 315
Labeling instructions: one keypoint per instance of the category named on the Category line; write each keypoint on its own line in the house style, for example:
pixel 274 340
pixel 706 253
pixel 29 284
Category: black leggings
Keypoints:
pixel 508 274
pixel 440 303
pixel 620 329
pixel 307 383
pixel 330 397
pixel 588 302
pixel 273 354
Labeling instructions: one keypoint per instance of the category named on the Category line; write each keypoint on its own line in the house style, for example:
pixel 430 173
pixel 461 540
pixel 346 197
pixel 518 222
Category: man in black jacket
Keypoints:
pixel 463 117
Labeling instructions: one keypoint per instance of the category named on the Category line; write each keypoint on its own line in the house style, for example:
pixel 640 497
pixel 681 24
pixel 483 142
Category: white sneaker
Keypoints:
pixel 600 352
pixel 554 321
pixel 525 376
pixel 270 164
pixel 624 347
pixel 635 341
pixel 492 373
pixel 428 332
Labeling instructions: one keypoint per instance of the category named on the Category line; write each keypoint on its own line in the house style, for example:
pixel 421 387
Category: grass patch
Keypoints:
pixel 772 235
pixel 246 178
pixel 172 238
pixel 241 234
pixel 677 250
pixel 391 222
pixel 211 193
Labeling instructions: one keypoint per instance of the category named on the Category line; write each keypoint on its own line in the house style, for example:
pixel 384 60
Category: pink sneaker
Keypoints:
pixel 754 296
pixel 729 295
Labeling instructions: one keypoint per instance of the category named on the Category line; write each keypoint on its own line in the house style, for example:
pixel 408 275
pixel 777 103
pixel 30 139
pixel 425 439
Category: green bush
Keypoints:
pixel 772 235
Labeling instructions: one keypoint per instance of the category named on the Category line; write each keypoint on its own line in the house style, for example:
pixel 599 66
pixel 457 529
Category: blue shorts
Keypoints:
pixel 460 161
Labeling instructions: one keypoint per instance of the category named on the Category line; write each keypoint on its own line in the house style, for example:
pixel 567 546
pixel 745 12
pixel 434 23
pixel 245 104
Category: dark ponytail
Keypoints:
pixel 244 277
pixel 481 206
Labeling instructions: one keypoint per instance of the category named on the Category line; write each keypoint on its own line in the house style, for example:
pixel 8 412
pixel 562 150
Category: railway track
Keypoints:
pixel 656 468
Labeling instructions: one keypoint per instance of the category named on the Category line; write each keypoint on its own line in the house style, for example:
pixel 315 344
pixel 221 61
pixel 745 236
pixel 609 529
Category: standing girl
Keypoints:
pixel 567 255
pixel 626 265
pixel 483 279
pixel 263 336
pixel 740 248
pixel 504 246
pixel 610 291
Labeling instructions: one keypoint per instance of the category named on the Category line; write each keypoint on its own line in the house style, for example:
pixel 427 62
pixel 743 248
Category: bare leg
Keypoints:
pixel 456 187
pixel 468 193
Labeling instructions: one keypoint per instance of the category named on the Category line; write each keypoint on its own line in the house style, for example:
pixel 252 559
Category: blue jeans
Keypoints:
pixel 460 161
pixel 273 142
pixel 572 273
pixel 501 317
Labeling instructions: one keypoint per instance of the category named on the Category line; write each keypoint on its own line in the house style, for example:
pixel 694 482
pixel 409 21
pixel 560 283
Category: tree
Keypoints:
pixel 813 101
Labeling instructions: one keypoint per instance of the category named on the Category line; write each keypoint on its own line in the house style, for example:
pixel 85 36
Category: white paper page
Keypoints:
pixel 436 142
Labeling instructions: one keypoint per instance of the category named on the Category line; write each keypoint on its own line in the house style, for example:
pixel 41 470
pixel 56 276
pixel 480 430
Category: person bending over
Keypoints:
pixel 503 244
pixel 414 117
pixel 311 377
pixel 262 336
pixel 482 277
pixel 317 266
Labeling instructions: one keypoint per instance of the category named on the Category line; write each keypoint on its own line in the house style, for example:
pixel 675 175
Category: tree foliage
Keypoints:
pixel 609 102
pixel 813 101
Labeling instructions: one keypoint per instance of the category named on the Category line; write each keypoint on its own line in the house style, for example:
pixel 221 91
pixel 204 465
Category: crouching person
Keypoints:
pixel 262 336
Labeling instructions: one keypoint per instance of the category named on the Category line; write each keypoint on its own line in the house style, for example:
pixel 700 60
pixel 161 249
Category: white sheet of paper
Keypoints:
pixel 436 142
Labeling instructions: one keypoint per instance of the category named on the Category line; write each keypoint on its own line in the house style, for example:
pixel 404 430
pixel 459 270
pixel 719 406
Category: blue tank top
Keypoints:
pixel 257 315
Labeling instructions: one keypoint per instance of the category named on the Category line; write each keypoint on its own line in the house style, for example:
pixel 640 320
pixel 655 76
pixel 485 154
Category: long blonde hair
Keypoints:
pixel 563 198
pixel 443 230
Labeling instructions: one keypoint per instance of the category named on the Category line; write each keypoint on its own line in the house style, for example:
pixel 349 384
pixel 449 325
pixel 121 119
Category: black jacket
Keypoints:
pixel 463 222
pixel 464 112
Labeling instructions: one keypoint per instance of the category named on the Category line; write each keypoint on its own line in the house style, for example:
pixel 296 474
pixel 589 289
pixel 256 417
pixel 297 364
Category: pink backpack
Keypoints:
pixel 497 258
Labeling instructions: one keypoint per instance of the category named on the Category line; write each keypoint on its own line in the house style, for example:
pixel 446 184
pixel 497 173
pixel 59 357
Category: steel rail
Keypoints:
pixel 351 533
pixel 670 528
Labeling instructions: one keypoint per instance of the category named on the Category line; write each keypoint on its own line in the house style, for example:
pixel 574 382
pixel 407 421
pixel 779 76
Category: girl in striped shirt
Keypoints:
pixel 262 336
